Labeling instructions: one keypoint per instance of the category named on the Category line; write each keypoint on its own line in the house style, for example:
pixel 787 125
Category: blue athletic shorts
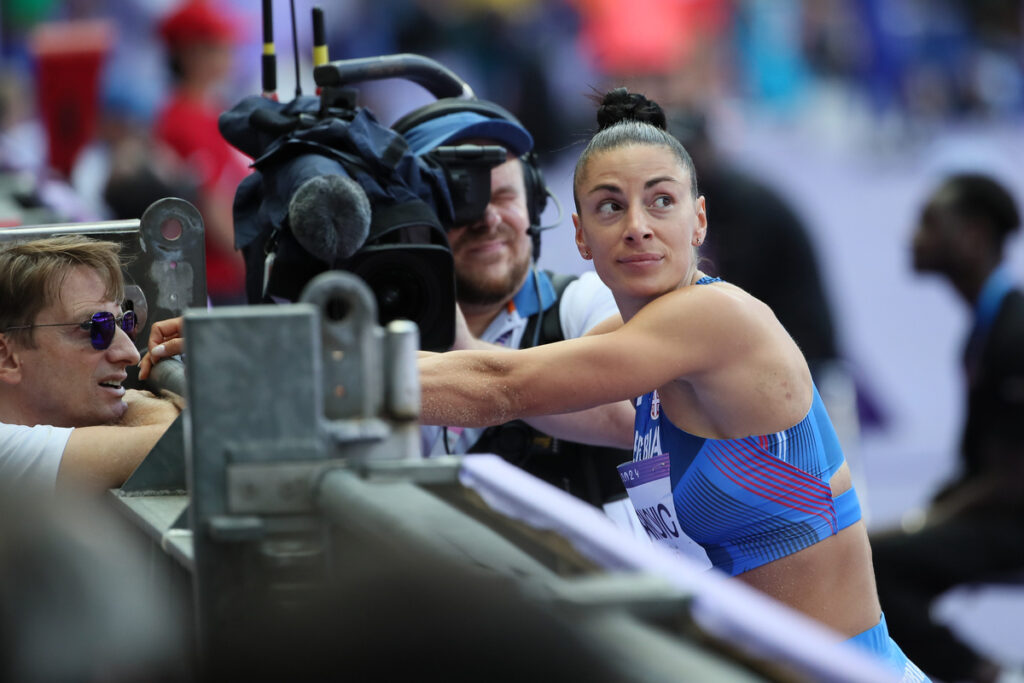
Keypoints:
pixel 878 642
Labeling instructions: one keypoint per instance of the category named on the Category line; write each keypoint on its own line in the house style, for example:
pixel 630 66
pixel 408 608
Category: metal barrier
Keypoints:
pixel 301 455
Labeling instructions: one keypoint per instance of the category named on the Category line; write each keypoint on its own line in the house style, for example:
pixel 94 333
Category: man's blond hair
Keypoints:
pixel 32 273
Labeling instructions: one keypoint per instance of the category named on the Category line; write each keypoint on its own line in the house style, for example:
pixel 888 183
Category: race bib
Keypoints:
pixel 650 490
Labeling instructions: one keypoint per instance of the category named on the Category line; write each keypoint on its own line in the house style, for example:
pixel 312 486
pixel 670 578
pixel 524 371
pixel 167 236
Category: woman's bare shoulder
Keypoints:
pixel 719 307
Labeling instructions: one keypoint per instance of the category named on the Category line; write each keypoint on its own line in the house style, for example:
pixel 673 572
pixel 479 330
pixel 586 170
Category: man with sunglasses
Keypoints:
pixel 65 416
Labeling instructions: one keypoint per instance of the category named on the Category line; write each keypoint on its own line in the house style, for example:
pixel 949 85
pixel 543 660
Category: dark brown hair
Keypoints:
pixel 625 119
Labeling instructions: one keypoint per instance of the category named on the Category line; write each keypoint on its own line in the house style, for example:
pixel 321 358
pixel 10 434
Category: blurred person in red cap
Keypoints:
pixel 200 39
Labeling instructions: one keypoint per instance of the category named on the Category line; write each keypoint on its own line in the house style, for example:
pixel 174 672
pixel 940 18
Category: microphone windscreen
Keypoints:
pixel 330 217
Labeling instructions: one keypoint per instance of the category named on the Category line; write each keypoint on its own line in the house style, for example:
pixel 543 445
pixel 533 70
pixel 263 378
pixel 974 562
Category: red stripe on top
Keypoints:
pixel 782 468
pixel 769 488
pixel 819 496
pixel 827 517
pixel 769 495
pixel 765 470
pixel 779 496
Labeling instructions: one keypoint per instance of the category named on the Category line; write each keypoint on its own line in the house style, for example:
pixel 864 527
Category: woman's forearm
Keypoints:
pixel 468 389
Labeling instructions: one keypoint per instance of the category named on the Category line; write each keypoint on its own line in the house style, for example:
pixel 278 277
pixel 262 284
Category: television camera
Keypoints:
pixel 333 188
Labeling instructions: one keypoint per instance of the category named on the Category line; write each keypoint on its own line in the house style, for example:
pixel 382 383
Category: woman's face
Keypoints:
pixel 638 220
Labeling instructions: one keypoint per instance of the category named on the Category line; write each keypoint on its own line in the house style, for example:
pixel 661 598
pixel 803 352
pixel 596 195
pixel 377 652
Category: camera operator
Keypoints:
pixel 505 301
pixel 289 234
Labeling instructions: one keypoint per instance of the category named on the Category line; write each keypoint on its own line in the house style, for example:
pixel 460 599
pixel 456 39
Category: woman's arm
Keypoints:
pixel 671 337
pixel 609 425
pixel 607 325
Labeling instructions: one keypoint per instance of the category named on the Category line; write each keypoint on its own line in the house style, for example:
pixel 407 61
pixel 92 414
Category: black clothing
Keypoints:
pixel 978 534
pixel 912 570
pixel 993 437
pixel 758 243
pixel 587 472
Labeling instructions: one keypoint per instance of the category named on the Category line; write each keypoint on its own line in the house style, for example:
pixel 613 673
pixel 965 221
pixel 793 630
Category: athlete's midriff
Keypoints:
pixel 831 581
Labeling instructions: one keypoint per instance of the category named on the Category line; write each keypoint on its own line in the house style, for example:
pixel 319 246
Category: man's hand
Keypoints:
pixel 166 339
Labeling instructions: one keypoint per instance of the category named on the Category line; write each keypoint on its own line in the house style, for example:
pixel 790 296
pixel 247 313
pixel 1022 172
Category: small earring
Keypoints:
pixel 586 254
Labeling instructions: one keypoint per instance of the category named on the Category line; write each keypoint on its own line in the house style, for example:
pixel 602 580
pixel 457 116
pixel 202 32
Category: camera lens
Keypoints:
pixel 412 282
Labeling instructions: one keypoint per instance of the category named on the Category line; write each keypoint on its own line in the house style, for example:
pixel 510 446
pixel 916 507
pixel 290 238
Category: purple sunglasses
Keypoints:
pixel 101 327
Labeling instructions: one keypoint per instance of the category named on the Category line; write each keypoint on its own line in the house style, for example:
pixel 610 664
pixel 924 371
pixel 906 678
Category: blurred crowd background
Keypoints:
pixel 851 110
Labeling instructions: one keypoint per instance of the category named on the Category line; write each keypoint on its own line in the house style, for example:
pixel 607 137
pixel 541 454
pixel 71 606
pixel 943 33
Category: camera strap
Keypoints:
pixel 548 320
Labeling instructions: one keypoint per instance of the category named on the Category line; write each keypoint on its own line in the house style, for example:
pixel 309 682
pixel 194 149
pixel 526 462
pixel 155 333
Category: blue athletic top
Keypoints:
pixel 752 500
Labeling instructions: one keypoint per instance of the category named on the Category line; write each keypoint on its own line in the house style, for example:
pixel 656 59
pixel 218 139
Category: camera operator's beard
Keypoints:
pixel 489 291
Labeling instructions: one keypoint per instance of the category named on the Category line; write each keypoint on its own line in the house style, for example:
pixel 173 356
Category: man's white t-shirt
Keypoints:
pixel 31 455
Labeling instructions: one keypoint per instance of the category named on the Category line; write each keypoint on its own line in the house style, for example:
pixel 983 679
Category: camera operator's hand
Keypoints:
pixel 166 339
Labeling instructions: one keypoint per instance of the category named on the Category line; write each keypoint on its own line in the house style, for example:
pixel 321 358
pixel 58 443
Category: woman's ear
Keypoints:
pixel 581 241
pixel 701 231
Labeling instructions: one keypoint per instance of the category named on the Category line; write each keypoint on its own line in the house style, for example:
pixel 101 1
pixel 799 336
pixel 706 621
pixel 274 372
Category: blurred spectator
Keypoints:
pixel 124 169
pixel 141 172
pixel 22 138
pixel 974 528
pixel 932 61
pixel 774 68
pixel 30 191
pixel 670 50
pixel 505 47
pixel 200 40
pixel 69 56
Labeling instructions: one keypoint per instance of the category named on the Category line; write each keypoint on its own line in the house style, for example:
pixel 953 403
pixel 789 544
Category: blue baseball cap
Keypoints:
pixel 466 125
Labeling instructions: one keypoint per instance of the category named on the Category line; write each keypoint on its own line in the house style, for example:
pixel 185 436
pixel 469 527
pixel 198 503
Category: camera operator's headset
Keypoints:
pixel 537 191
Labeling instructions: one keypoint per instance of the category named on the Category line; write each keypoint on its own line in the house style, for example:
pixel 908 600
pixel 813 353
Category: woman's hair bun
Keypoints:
pixel 621 105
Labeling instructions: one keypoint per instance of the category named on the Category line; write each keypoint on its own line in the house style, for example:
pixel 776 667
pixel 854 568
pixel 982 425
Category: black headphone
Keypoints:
pixel 536 189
